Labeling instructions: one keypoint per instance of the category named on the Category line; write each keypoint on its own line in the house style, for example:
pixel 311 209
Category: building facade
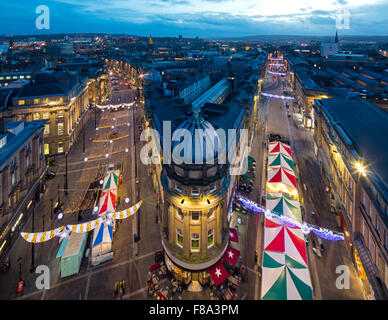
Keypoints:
pixel 348 144
pixel 62 99
pixel 22 166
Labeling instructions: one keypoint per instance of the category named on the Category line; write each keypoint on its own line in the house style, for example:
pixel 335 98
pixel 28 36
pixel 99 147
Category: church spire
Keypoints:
pixel 336 36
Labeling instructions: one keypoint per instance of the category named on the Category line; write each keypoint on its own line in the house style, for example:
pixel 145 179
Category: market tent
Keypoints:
pixel 283 278
pixel 273 236
pixel 103 234
pixel 281 160
pixel 283 205
pixel 279 147
pixel 111 180
pixel 281 180
pixel 107 202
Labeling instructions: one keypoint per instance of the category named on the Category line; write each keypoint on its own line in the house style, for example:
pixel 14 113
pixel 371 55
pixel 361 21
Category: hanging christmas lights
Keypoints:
pixel 289 222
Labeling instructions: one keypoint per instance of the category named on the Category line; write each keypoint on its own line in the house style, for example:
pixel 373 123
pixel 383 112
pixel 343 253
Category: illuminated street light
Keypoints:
pixel 126 200
pixel 95 209
pixel 360 168
pixel 107 155
pixel 126 150
pixel 110 141
pixel 60 216
pixel 101 181
pixel 86 159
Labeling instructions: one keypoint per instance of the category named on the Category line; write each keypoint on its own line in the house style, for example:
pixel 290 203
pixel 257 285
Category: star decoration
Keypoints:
pixel 231 234
pixel 230 254
pixel 218 272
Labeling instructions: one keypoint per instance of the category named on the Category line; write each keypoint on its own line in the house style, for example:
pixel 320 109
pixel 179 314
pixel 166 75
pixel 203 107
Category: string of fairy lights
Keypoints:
pixel 290 222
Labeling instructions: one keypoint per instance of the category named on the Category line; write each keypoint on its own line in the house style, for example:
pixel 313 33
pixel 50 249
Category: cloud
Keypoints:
pixel 205 18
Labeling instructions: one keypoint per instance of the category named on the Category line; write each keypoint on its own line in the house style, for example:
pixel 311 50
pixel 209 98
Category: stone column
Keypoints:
pixel 186 232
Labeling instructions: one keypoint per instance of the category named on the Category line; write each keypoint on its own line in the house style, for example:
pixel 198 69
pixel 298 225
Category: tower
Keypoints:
pixel 336 36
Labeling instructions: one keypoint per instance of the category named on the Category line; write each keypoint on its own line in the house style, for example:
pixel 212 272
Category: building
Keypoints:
pixel 196 196
pixel 351 146
pixel 22 166
pixel 61 98
pixel 187 88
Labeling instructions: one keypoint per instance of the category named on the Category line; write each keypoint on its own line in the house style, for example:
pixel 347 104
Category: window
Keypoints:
pixel 195 242
pixel 36 101
pixel 46 129
pixel 213 187
pixel 61 114
pixel 195 215
pixel 46 115
pixel 179 213
pixel 13 179
pixel 210 238
pixel 60 128
pixel 195 192
pixel 21 102
pixel 210 214
pixel 179 237
pixel 378 225
pixel 28 162
pixel 60 147
pixel 178 188
pixel 46 149
pixel 36 116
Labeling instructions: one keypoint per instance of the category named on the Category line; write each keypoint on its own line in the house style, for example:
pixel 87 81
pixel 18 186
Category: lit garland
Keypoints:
pixel 116 106
pixel 289 222
pixel 276 96
pixel 277 73
pixel 276 59
pixel 277 65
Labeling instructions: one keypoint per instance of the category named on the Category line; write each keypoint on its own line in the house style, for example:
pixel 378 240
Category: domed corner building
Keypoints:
pixel 195 231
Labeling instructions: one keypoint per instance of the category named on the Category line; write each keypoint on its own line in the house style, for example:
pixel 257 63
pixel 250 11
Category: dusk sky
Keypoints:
pixel 203 18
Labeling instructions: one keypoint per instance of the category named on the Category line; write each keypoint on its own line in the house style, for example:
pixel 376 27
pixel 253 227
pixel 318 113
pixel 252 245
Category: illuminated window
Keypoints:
pixel 195 192
pixel 22 77
pixel 13 179
pixel 8 78
pixel 210 238
pixel 60 128
pixel 36 101
pixel 21 102
pixel 14 77
pixel 179 237
pixel 195 215
pixel 213 187
pixel 61 114
pixel 46 129
pixel 46 149
pixel 178 188
pixel 46 115
pixel 60 147
pixel 36 116
pixel 195 242
pixel 1 78
pixel 28 76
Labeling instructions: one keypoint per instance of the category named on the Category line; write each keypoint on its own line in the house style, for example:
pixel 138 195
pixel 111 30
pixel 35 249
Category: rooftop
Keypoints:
pixel 367 127
pixel 15 142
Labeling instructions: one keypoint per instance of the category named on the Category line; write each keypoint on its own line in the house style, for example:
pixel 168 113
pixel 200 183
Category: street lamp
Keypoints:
pixel 33 244
pixel 20 268
pixel 360 168
pixel 66 185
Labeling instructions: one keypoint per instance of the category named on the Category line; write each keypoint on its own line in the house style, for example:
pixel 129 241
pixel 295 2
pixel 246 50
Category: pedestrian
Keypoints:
pixel 116 289
pixel 122 286
pixel 156 219
pixel 255 257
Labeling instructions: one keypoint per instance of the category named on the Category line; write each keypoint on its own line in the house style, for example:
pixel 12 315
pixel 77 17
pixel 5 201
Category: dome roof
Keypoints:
pixel 199 144
pixel 153 76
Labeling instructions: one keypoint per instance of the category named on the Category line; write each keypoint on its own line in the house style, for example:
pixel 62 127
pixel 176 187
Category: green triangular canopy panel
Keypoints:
pixel 278 291
pixel 305 291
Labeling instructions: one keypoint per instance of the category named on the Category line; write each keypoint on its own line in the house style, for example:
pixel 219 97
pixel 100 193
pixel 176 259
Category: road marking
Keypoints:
pixel 90 273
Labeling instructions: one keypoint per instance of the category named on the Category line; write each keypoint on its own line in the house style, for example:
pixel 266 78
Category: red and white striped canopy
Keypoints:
pixel 279 147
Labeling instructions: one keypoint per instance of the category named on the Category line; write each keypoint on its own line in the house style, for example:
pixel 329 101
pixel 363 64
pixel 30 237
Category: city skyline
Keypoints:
pixel 205 19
